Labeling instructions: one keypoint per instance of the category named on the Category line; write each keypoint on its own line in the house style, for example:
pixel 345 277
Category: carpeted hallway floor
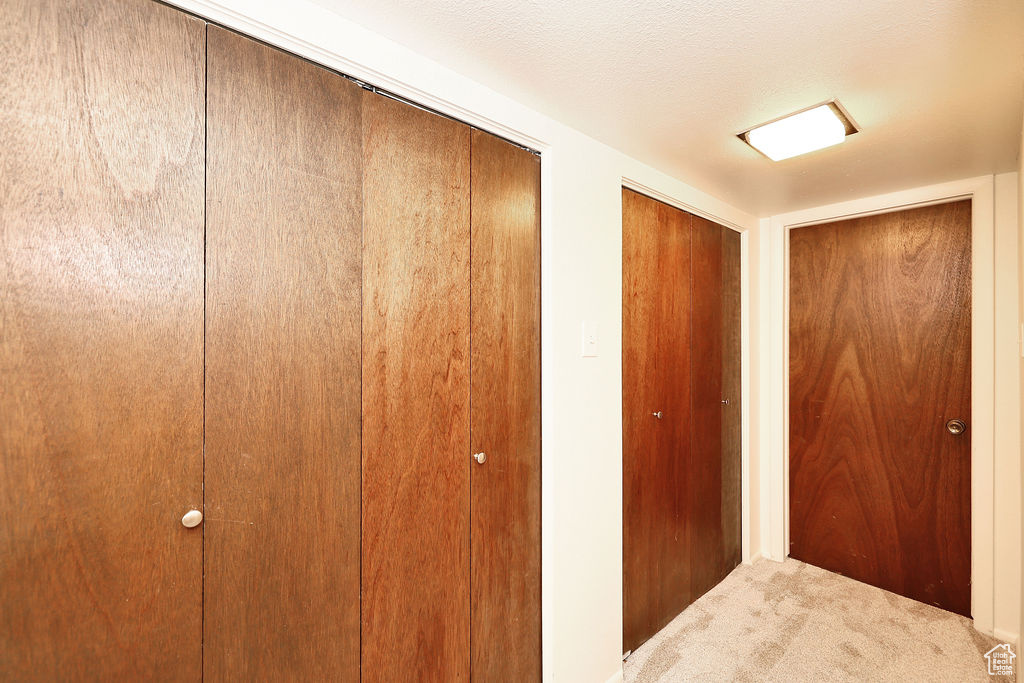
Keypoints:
pixel 793 622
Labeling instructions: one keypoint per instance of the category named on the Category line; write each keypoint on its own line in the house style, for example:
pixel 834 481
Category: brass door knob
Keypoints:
pixel 956 427
pixel 657 414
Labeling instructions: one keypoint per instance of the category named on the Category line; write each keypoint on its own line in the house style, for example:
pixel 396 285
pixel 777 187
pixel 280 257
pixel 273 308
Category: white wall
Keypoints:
pixel 581 280
pixel 1020 321
pixel 1007 442
pixel 766 404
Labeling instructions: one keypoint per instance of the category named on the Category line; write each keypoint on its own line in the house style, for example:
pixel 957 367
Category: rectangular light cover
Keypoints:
pixel 800 133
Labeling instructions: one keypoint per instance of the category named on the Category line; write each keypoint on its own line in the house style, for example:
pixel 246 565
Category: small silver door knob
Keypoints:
pixel 725 401
pixel 191 519
pixel 956 427
pixel 657 414
pixel 480 457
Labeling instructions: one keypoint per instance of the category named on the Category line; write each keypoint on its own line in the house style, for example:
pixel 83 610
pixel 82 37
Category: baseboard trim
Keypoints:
pixel 616 677
pixel 1005 636
pixel 754 558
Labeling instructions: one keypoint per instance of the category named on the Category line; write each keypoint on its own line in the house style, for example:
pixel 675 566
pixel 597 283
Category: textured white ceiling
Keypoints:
pixel 936 86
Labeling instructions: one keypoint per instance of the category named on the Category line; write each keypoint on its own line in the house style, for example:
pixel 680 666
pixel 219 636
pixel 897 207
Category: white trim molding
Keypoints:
pixel 776 399
pixel 753 559
pixel 664 198
pixel 306 31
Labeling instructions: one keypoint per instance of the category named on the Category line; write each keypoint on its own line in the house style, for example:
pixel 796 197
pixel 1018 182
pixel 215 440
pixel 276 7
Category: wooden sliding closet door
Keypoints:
pixel 681 411
pixel 715 430
pixel 505 411
pixel 101 314
pixel 732 402
pixel 706 538
pixel 879 364
pixel 282 367
pixel 656 390
pixel 416 378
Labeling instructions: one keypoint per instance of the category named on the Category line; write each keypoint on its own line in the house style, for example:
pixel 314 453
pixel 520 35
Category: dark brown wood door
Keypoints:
pixel 681 420
pixel 416 380
pixel 505 411
pixel 732 401
pixel 714 493
pixel 706 538
pixel 282 367
pixel 879 361
pixel 101 329
pixel 656 310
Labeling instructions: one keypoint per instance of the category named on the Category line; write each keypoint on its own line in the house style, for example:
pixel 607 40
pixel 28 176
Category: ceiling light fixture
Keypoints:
pixel 807 130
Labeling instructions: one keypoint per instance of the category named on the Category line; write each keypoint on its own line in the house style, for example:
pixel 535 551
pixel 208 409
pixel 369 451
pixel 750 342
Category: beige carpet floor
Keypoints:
pixel 790 621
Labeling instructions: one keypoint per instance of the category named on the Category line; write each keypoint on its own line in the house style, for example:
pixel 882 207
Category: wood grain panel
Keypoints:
pixel 101 314
pixel 655 377
pixel 505 413
pixel 416 378
pixel 732 426
pixel 705 491
pixel 880 359
pixel 283 367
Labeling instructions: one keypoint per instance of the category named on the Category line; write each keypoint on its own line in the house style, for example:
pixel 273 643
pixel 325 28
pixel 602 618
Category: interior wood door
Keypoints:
pixel 415 397
pixel 101 329
pixel 656 341
pixel 732 401
pixel 879 362
pixel 505 411
pixel 707 541
pixel 715 429
pixel 284 216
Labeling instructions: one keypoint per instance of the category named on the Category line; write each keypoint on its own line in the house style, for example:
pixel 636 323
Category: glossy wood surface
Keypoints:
pixel 706 346
pixel 656 340
pixel 283 367
pixel 416 380
pixel 101 314
pixel 880 360
pixel 505 413
pixel 732 391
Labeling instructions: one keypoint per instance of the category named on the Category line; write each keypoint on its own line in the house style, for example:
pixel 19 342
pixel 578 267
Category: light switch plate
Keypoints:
pixel 590 340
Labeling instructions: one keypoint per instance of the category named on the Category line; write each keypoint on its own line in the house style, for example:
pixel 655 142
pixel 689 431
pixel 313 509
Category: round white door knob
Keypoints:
pixel 192 518
pixel 480 457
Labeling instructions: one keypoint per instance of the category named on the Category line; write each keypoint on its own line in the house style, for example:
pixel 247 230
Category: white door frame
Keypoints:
pixel 980 190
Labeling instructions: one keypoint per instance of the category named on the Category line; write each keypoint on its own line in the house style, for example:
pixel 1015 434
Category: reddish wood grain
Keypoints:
pixel 732 391
pixel 416 381
pixel 880 359
pixel 101 328
pixel 283 366
pixel 681 356
pixel 705 492
pixel 505 411
pixel 656 309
